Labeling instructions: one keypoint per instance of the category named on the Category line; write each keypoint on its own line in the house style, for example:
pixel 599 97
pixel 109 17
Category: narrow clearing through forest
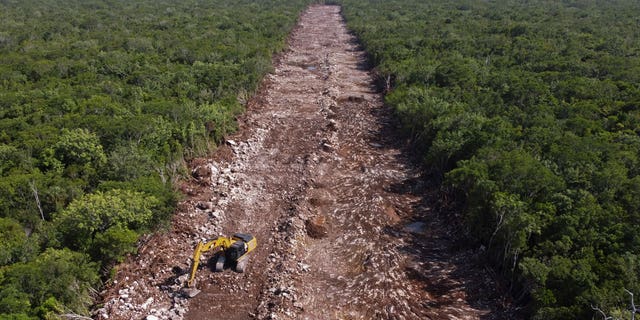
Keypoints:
pixel 344 223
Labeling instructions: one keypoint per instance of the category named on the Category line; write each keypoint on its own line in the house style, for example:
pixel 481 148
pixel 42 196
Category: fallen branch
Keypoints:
pixel 604 315
pixel 633 308
pixel 35 195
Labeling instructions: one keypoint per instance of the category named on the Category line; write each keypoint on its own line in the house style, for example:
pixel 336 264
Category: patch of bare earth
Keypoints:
pixel 345 224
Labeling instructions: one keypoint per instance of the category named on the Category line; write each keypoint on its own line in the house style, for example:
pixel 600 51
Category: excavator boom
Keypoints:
pixel 204 246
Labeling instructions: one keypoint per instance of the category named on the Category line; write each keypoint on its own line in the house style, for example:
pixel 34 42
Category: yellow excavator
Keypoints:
pixel 231 251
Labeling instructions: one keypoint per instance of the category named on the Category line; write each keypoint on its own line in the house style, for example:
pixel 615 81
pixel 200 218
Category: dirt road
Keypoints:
pixel 345 223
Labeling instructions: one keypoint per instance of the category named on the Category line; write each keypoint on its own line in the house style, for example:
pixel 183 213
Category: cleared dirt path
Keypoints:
pixel 343 220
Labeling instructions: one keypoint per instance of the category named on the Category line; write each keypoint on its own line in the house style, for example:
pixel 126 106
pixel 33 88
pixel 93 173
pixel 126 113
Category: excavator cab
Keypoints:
pixel 240 247
pixel 237 250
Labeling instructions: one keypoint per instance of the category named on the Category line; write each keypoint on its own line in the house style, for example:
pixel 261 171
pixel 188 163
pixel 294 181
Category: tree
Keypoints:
pixel 78 153
pixel 10 158
pixel 64 275
pixel 12 241
pixel 86 218
pixel 113 244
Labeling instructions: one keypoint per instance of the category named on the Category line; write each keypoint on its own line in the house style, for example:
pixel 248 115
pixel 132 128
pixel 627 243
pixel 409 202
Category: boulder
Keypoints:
pixel 316 227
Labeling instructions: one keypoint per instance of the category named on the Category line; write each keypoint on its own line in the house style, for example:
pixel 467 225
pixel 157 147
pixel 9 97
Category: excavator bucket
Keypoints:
pixel 190 292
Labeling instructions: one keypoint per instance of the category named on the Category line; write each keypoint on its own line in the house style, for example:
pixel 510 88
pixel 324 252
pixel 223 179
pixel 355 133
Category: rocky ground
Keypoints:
pixel 347 226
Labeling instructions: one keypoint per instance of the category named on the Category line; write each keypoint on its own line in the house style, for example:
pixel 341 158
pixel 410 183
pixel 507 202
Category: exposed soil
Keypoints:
pixel 347 226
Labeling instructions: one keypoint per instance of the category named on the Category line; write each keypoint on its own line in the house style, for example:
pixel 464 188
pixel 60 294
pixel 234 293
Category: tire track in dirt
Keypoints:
pixel 343 219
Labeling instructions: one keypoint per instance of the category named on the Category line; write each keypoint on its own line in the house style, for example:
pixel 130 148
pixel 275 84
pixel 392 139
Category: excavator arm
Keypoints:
pixel 204 246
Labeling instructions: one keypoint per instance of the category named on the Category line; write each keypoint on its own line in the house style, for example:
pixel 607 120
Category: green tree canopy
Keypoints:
pixel 95 213
pixel 13 239
pixel 62 275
